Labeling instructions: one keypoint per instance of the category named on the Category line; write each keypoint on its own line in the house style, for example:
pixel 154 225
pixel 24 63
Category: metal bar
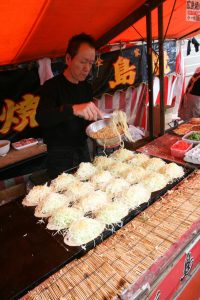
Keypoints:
pixel 191 32
pixel 161 68
pixel 150 72
pixel 127 22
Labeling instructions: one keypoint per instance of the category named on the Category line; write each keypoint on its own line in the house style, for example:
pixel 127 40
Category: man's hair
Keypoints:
pixel 77 40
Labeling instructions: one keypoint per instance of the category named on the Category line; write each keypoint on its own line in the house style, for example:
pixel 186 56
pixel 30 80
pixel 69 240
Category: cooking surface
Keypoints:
pixel 29 253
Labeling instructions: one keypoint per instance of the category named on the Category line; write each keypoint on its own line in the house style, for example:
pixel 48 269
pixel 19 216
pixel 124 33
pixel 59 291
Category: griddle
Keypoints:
pixel 29 253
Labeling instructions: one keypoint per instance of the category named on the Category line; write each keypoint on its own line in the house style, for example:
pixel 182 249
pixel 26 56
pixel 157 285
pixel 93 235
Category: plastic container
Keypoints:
pixel 193 155
pixel 186 137
pixel 25 143
pixel 180 148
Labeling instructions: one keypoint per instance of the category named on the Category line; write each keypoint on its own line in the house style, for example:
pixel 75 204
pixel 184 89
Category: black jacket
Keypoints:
pixel 55 115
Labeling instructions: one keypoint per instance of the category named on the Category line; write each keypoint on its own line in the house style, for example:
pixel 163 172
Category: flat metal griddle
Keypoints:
pixel 29 253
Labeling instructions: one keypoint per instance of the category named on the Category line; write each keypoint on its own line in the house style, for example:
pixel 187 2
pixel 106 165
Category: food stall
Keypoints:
pixel 154 253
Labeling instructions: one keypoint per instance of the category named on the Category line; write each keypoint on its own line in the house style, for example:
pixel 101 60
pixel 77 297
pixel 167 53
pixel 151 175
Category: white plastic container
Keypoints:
pixel 193 155
pixel 185 138
pixel 25 143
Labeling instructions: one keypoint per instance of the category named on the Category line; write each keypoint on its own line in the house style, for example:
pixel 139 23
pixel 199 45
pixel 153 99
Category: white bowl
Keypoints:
pixel 4 147
pixel 105 142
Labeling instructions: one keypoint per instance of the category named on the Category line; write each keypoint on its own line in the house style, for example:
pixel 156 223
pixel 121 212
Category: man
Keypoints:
pixel 66 106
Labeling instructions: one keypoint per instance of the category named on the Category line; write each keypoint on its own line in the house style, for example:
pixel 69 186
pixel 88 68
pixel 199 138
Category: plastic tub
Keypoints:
pixel 180 148
pixel 188 140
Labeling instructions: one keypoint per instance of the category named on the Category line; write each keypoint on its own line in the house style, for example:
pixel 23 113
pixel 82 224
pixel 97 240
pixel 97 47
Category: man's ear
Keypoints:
pixel 67 59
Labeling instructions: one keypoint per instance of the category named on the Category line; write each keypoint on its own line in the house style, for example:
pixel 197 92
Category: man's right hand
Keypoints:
pixel 89 111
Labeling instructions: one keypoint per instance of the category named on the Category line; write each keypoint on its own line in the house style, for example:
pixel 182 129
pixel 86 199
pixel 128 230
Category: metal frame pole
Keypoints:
pixel 161 68
pixel 150 71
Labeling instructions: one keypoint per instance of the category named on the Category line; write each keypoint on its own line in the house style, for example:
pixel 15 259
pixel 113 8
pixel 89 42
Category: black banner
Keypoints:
pixel 120 69
pixel 18 102
pixel 117 70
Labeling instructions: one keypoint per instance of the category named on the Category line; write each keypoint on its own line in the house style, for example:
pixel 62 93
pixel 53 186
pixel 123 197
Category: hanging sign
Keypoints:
pixel 18 102
pixel 193 10
pixel 120 69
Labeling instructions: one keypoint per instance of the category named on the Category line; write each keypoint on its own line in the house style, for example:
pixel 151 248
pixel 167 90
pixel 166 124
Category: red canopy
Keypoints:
pixel 33 29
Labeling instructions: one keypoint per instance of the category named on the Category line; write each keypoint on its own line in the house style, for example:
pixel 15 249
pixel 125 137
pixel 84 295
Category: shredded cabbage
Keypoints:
pixel 119 167
pixel 138 159
pixel 79 190
pixel 172 170
pixel 51 202
pixel 92 201
pixel 122 154
pixel 134 175
pixel 112 212
pixel 134 196
pixel 155 181
pixel 116 187
pixel 36 195
pixel 62 182
pixel 85 171
pixel 103 162
pixel 83 231
pixel 63 217
pixel 101 179
pixel 154 164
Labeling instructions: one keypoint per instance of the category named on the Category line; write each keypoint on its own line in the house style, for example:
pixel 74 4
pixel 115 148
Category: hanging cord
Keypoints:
pixel 137 32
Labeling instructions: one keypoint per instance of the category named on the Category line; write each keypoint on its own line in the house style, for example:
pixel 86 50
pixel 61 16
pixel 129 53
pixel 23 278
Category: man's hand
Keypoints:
pixel 89 111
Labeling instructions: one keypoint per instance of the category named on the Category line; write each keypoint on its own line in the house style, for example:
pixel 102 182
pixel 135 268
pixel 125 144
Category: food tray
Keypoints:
pixel 193 155
pixel 25 143
pixel 182 129
pixel 185 137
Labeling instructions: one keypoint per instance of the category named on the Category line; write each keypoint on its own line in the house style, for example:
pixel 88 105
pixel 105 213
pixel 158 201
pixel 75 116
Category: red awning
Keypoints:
pixel 34 29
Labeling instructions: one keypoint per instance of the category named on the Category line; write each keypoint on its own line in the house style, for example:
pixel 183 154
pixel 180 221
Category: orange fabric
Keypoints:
pixel 41 28
pixel 17 20
pixel 178 25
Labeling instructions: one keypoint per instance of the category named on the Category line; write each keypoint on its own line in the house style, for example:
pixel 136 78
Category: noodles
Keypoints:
pixel 116 127
pixel 105 133
pixel 119 122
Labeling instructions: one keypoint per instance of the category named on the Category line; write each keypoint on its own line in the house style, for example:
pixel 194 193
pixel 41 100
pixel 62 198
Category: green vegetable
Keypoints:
pixel 194 136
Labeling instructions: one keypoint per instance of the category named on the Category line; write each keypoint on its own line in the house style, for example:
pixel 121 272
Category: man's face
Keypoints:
pixel 80 65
